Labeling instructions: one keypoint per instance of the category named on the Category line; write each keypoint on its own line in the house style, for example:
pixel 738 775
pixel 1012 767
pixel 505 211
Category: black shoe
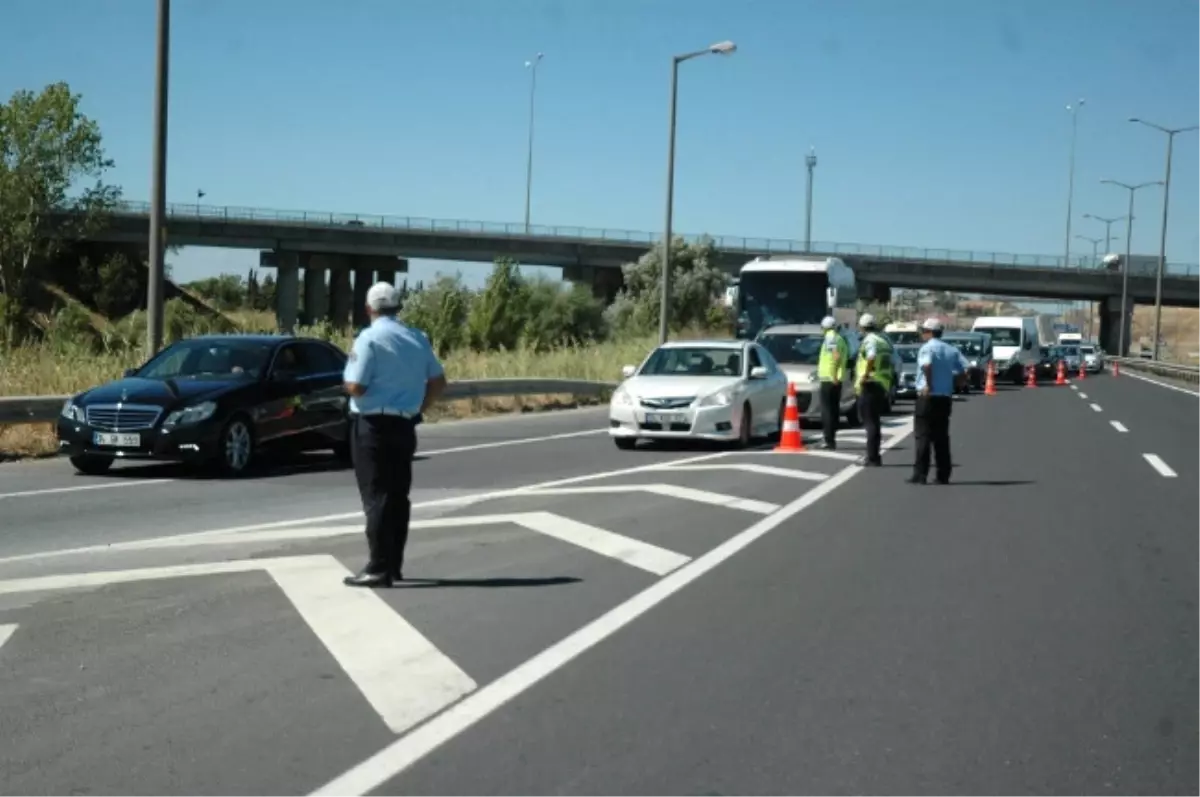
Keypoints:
pixel 366 579
pixel 829 446
pixel 941 480
pixel 869 463
pixel 397 575
pixel 915 480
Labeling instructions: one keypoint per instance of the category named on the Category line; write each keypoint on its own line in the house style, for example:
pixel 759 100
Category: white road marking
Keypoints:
pixel 1120 427
pixel 404 752
pixel 1074 387
pixel 80 487
pixel 357 515
pixel 104 578
pixel 767 470
pixel 6 632
pixel 1163 468
pixel 1083 395
pixel 515 442
pixel 1096 407
pixel 669 490
pixel 1176 388
pixel 402 674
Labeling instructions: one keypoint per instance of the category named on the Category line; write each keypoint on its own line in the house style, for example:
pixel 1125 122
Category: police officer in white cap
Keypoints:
pixel 939 371
pixel 831 371
pixel 392 377
pixel 873 376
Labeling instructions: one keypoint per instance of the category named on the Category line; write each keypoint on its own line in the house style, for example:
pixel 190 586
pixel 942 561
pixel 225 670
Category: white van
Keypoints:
pixel 1069 338
pixel 1015 343
pixel 901 332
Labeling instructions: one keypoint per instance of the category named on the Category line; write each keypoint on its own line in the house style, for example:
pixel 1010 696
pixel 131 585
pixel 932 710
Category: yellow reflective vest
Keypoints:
pixel 835 354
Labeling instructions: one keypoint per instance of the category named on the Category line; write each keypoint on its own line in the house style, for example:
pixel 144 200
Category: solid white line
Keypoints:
pixel 402 674
pixel 766 470
pixel 81 487
pixel 404 752
pixel 357 515
pixel 1120 427
pixel 104 578
pixel 1176 388
pixel 651 558
pixel 1096 407
pixel 1163 468
pixel 6 632
pixel 516 442
pixel 668 490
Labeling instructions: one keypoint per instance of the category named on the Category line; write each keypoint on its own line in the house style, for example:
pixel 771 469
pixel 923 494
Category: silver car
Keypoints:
pixel 1093 358
pixel 906 376
pixel 797 349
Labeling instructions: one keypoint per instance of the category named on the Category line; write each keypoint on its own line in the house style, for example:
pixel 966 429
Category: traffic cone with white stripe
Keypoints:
pixel 1061 379
pixel 790 438
pixel 1082 370
pixel 989 385
pixel 1031 376
pixel 1116 369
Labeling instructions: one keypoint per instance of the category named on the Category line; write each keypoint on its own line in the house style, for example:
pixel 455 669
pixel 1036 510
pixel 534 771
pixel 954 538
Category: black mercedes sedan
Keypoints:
pixel 214 400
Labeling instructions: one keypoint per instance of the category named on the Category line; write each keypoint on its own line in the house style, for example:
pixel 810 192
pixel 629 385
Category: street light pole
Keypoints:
pixel 1108 223
pixel 810 160
pixel 664 309
pixel 158 188
pixel 1095 242
pixel 532 66
pixel 1132 189
pixel 1162 245
pixel 1074 110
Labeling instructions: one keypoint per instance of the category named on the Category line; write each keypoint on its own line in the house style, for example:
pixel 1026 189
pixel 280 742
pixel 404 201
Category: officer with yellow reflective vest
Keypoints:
pixel 831 370
pixel 873 381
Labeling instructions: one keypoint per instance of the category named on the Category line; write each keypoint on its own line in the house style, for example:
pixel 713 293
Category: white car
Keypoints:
pixel 723 390
pixel 797 349
pixel 1093 357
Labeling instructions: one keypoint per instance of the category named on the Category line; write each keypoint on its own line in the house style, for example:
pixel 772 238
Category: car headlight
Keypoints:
pixel 813 377
pixel 621 397
pixel 721 398
pixel 72 412
pixel 193 414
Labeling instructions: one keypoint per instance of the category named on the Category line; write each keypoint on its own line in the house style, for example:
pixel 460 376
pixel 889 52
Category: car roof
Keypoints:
pixel 793 329
pixel 732 343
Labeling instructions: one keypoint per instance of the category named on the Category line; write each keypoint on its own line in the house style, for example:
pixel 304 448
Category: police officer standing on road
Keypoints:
pixel 940 369
pixel 873 381
pixel 392 376
pixel 831 370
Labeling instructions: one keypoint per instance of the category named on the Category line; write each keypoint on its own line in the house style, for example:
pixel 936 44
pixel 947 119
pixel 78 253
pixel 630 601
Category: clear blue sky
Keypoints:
pixel 938 123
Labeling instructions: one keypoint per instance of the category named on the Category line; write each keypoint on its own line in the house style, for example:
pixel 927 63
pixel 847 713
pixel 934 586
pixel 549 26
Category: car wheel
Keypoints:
pixel 236 451
pixel 92 465
pixel 782 414
pixel 625 443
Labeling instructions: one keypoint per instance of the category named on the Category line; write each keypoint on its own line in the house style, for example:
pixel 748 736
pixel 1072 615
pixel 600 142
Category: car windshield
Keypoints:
pixel 210 359
pixel 908 354
pixel 971 347
pixel 1005 336
pixel 1088 349
pixel 694 361
pixel 901 338
pixel 793 349
pixel 1070 351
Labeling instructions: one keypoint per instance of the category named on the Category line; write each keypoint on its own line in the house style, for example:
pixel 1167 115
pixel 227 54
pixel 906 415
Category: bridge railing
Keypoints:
pixel 18 410
pixel 750 245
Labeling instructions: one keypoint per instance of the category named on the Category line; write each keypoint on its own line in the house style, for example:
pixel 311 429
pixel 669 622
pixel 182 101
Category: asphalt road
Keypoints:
pixel 672 621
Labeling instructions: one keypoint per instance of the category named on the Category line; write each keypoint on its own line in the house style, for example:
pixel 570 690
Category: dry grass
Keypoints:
pixel 52 370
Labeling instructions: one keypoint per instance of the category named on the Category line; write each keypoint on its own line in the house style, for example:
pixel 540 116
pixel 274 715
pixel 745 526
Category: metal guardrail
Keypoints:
pixel 365 222
pixel 17 410
pixel 1185 373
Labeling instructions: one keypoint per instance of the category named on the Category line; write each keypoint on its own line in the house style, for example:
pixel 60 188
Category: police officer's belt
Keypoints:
pixel 393 413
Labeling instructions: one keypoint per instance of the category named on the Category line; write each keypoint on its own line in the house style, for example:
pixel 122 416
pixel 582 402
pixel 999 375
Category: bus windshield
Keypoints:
pixel 782 297
pixel 1003 336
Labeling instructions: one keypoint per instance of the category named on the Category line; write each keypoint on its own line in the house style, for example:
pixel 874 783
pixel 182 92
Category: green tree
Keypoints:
pixel 560 315
pixel 440 311
pixel 498 313
pixel 224 291
pixel 120 288
pixel 52 163
pixel 697 283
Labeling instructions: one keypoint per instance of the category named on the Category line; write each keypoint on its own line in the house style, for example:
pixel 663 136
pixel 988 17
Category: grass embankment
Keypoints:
pixel 57 368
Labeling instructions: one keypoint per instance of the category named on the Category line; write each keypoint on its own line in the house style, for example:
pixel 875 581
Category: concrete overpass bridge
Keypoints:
pixel 366 247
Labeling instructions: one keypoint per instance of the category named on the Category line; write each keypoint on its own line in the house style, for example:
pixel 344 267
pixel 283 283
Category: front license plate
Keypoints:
pixel 665 418
pixel 117 440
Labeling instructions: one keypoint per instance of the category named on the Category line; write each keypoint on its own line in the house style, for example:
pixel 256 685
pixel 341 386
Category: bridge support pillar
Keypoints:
pixel 315 292
pixel 287 290
pixel 1110 326
pixel 364 278
pixel 341 296
pixel 605 282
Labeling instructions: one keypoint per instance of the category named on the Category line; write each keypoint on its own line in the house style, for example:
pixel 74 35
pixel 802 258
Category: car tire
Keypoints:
pixel 625 443
pixel 237 447
pixel 92 465
pixel 782 413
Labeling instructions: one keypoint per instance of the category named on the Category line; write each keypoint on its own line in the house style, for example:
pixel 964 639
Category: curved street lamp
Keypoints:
pixel 1132 189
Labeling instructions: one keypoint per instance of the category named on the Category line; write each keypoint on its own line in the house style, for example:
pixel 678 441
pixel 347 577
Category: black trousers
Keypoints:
pixel 931 427
pixel 871 402
pixel 831 401
pixel 382 448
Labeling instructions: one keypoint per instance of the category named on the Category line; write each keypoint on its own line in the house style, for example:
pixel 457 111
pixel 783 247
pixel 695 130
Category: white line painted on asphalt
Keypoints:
pixel 1074 387
pixel 1083 396
pixel 1096 407
pixel 1176 388
pixel 402 674
pixel 515 442
pixel 404 752
pixel 81 487
pixel 1163 468
pixel 668 490
pixel 1120 427
pixel 6 632
pixel 104 578
pixel 766 470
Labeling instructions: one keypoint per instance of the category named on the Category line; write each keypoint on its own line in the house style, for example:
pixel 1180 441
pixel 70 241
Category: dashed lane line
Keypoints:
pixel 1163 468
pixel 1097 407
pixel 1120 427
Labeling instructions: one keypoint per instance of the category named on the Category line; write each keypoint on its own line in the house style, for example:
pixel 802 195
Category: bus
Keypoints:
pixel 793 290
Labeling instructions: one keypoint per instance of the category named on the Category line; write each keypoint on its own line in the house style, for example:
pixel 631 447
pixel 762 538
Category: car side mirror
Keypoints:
pixel 627 371
pixel 130 372
pixel 758 372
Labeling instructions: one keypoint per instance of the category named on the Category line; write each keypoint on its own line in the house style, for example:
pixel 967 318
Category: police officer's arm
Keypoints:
pixel 435 377
pixel 960 371
pixel 925 363
pixel 359 366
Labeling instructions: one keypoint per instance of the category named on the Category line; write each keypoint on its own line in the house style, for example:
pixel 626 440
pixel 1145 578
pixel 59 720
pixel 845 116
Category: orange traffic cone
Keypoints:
pixel 1116 369
pixel 790 438
pixel 1061 379
pixel 1082 372
pixel 989 386
pixel 1031 376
